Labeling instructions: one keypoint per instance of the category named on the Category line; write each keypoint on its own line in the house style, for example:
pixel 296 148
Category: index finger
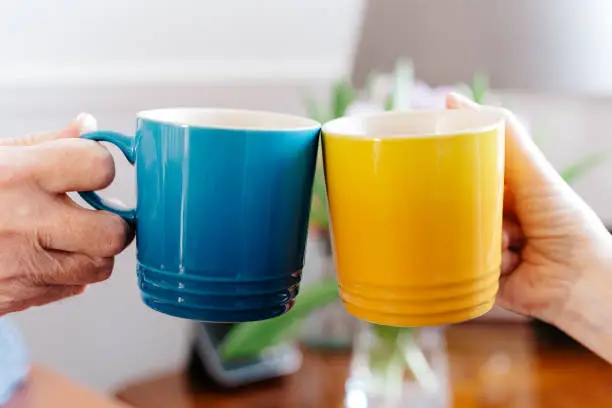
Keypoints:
pixel 83 123
pixel 69 165
pixel 70 228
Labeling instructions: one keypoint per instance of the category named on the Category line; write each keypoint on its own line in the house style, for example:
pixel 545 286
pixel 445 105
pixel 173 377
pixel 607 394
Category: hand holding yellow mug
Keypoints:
pixel 415 202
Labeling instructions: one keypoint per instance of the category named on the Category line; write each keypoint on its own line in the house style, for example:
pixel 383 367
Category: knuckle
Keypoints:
pixel 70 291
pixel 44 237
pixel 25 140
pixel 97 162
pixel 18 306
pixel 34 269
pixel 29 139
pixel 103 268
pixel 9 175
pixel 115 235
pixel 72 269
pixel 11 172
pixel 38 277
pixel 101 166
pixel 49 294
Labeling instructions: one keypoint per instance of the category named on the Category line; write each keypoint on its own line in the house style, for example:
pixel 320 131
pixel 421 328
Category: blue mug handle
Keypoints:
pixel 127 146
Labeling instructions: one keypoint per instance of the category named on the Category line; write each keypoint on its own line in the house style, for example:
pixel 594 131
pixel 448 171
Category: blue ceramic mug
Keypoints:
pixel 222 210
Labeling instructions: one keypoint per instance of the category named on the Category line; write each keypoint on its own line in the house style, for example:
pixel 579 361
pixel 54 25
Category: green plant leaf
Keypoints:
pixel 343 95
pixel 390 102
pixel 403 81
pixel 576 170
pixel 318 209
pixel 370 83
pixel 252 338
pixel 538 139
pixel 315 110
pixel 480 87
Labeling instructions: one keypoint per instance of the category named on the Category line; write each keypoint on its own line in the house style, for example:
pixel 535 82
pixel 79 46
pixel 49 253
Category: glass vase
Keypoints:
pixel 331 327
pixel 398 368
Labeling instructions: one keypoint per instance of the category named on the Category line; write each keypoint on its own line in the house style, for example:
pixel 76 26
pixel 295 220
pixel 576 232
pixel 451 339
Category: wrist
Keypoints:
pixel 586 314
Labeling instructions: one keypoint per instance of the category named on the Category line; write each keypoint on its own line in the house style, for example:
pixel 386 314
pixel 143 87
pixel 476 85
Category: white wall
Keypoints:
pixel 115 57
pixel 521 44
pixel 567 129
pixel 116 40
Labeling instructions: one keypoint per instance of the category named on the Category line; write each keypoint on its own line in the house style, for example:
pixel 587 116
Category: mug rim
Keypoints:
pixel 354 126
pixel 301 123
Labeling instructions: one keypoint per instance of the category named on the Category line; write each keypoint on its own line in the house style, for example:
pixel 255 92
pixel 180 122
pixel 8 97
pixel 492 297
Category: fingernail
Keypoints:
pixel 505 240
pixel 458 97
pixel 87 123
pixel 463 101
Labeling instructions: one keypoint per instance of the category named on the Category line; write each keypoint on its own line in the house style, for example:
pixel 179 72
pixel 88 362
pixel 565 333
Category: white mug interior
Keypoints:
pixel 237 119
pixel 415 123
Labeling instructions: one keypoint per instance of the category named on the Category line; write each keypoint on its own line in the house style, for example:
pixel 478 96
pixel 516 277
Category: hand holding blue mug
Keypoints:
pixel 222 209
pixel 51 248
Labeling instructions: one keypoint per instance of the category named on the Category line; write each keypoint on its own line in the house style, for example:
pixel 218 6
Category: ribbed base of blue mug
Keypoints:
pixel 190 295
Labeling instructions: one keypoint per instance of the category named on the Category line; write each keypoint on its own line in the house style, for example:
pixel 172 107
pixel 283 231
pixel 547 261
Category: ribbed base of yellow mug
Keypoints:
pixel 402 320
pixel 425 305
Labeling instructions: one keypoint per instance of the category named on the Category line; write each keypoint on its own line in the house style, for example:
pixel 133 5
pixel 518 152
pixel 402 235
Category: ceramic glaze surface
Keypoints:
pixel 416 215
pixel 221 218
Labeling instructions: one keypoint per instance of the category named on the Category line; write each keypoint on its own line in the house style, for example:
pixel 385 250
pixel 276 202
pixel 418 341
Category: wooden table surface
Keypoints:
pixel 492 366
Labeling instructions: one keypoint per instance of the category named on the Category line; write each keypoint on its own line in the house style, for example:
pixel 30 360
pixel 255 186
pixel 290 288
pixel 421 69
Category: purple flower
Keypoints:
pixel 422 96
pixel 416 95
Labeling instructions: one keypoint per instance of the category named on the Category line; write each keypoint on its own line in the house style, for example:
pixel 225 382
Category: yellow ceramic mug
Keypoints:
pixel 415 201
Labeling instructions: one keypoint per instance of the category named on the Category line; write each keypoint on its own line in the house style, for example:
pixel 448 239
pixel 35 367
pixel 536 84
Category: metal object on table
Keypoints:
pixel 332 327
pixel 207 368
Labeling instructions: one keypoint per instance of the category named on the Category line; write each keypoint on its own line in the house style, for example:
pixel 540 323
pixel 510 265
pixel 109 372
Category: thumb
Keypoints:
pixel 526 167
pixel 80 125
